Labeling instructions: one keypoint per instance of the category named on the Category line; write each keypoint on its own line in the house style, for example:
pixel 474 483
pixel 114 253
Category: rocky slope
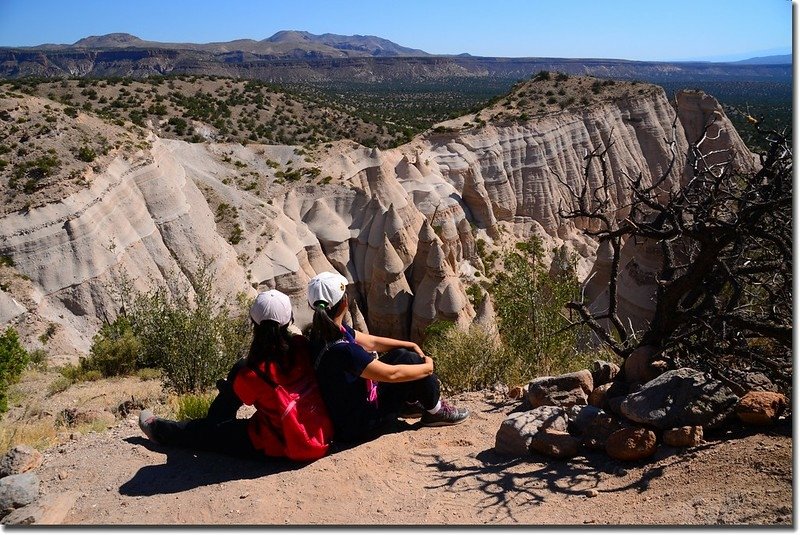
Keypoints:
pixel 401 224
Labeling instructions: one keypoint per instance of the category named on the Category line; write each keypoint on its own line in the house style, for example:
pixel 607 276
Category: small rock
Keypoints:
pixel 243 496
pixel 591 493
pixel 631 444
pixel 603 372
pixel 599 430
pixel 517 392
pixel 598 396
pixel 638 365
pixel 682 437
pixel 20 459
pixel 62 475
pixel 761 408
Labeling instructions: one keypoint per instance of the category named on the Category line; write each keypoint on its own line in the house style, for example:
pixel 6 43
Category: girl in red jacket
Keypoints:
pixel 288 422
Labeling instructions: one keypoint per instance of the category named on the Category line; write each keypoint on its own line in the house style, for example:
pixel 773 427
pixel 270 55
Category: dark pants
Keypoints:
pixel 392 397
pixel 220 431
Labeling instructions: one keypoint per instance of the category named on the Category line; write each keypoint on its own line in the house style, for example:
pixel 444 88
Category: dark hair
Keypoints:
pixel 323 328
pixel 271 344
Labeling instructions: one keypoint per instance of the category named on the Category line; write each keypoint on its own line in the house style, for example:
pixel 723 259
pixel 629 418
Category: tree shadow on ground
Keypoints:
pixel 515 484
pixel 188 469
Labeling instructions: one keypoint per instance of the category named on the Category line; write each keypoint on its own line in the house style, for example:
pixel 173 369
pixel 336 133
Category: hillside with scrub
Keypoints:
pixel 562 251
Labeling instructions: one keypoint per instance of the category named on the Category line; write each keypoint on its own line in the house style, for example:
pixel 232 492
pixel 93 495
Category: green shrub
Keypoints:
pixel 59 385
pixel 114 349
pixel 13 359
pixel 193 406
pixel 192 338
pixel 146 374
pixel 532 319
pixel 86 154
pixel 468 360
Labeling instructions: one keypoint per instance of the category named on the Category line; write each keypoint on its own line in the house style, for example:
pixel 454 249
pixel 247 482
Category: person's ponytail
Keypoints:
pixel 323 329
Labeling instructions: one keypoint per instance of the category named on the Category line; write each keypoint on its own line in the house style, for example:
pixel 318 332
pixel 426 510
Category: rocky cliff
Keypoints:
pixel 400 224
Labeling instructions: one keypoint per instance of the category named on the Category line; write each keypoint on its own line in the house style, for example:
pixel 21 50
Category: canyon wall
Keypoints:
pixel 402 224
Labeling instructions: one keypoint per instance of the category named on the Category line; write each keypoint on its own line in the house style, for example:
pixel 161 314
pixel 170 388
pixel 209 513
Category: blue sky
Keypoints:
pixel 720 30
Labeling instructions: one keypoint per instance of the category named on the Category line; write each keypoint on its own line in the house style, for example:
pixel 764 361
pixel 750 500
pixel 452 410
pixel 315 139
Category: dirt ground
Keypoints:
pixel 419 476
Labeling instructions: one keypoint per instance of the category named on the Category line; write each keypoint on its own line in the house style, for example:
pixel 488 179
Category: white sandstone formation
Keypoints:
pixel 400 224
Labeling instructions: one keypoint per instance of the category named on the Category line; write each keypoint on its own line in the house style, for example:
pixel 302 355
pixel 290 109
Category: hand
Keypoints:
pixel 418 350
pixel 428 362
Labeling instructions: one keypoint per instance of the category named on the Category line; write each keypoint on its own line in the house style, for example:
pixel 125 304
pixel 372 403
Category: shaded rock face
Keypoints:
pixel 396 223
pixel 678 398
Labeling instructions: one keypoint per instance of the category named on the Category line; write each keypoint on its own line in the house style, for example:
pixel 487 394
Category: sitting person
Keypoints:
pixel 362 392
pixel 276 357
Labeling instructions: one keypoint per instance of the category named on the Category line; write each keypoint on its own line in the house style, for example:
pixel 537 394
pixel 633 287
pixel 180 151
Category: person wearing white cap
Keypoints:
pixel 275 353
pixel 364 393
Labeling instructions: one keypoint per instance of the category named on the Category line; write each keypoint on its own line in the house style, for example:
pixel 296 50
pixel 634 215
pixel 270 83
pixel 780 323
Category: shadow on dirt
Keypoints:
pixel 188 469
pixel 507 483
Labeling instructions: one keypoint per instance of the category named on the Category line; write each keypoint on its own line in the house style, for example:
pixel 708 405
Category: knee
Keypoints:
pixel 402 356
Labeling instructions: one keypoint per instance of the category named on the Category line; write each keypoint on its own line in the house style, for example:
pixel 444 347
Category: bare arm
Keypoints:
pixel 397 373
pixel 381 343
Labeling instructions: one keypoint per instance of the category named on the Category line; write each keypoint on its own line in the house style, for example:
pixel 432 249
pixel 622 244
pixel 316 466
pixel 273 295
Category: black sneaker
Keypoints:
pixel 412 410
pixel 146 421
pixel 447 415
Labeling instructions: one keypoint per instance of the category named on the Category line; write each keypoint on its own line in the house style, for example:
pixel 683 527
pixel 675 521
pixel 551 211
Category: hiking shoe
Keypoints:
pixel 412 410
pixel 447 415
pixel 146 421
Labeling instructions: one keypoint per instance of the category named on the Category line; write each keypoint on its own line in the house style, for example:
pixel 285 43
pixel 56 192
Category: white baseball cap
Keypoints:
pixel 326 286
pixel 272 305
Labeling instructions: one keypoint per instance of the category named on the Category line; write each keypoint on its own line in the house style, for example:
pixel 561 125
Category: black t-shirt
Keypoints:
pixel 346 394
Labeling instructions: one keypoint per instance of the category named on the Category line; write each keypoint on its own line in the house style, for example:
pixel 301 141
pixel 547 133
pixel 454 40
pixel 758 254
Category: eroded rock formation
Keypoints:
pixel 400 224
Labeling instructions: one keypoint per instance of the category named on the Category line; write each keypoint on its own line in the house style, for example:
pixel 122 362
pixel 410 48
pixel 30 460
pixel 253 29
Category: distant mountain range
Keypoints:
pixel 297 56
pixel 284 44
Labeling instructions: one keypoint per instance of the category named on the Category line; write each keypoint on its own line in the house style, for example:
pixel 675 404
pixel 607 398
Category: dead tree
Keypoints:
pixel 724 289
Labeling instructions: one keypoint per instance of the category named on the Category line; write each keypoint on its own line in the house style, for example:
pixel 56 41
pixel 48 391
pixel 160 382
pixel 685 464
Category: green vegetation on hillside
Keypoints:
pixel 534 333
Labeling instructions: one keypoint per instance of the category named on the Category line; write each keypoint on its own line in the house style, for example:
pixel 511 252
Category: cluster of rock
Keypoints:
pixel 601 410
pixel 19 485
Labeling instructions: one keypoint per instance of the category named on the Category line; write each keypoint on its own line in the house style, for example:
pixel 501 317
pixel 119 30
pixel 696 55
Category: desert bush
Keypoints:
pixel 193 406
pixel 468 360
pixel 115 349
pixel 192 336
pixel 13 359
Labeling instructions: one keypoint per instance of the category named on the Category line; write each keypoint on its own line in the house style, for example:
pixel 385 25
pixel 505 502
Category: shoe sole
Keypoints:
pixel 444 424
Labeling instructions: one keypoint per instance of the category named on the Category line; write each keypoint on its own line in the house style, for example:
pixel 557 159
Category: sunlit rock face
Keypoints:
pixel 401 225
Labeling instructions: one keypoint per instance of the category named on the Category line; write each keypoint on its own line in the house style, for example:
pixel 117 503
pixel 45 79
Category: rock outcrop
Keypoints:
pixel 400 224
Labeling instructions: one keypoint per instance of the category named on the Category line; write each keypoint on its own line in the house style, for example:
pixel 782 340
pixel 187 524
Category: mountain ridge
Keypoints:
pixel 333 45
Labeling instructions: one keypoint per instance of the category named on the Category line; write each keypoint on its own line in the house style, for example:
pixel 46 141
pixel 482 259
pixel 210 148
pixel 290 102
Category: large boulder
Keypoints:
pixel 678 398
pixel 561 391
pixel 761 408
pixel 17 491
pixel 517 431
pixel 631 444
